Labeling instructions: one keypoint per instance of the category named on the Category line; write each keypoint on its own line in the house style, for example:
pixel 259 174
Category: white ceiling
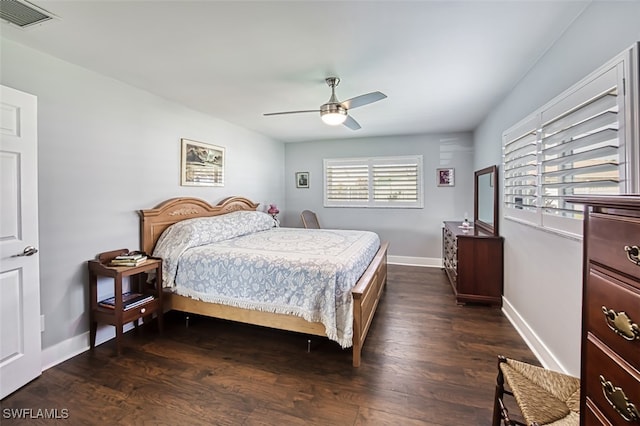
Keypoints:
pixel 442 64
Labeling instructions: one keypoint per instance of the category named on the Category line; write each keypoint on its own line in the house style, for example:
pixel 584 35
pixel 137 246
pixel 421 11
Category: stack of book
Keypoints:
pixel 129 300
pixel 133 258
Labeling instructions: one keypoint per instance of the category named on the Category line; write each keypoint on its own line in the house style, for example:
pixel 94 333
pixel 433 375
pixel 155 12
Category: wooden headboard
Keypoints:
pixel 154 221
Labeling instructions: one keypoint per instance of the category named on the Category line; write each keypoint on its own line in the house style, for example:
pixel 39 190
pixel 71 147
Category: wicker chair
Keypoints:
pixel 310 220
pixel 544 397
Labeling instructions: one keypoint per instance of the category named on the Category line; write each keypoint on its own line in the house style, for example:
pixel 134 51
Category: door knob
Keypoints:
pixel 28 251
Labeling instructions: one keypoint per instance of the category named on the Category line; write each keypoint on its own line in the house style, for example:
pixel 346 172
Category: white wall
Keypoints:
pixel 414 234
pixel 543 278
pixel 105 151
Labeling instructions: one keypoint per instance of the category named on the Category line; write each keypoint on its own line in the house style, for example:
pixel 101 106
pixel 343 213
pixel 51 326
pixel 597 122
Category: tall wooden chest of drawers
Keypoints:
pixel 610 358
pixel 473 261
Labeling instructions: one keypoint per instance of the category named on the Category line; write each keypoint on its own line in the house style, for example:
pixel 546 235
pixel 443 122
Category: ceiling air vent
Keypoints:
pixel 23 14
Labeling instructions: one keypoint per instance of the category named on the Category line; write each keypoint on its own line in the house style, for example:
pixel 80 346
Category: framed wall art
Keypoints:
pixel 302 179
pixel 445 177
pixel 201 164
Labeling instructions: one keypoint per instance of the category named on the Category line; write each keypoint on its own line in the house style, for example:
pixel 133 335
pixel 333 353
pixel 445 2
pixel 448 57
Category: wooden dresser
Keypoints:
pixel 473 259
pixel 610 358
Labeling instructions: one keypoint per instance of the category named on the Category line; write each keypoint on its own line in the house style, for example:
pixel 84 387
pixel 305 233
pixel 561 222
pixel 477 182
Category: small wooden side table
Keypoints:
pixel 118 316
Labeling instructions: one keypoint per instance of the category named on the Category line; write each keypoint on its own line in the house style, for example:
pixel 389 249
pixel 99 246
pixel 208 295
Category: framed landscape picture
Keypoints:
pixel 201 164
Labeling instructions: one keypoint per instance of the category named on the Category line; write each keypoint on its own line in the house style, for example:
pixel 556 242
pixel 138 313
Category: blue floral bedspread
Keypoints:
pixel 304 272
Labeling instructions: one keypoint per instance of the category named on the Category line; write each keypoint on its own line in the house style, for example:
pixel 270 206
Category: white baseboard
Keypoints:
pixel 429 262
pixel 537 346
pixel 69 348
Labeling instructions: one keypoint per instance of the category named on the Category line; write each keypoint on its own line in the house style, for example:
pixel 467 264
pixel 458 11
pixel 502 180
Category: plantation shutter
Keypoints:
pixel 580 143
pixel 395 181
pixel 374 182
pixel 581 146
pixel 346 182
pixel 520 170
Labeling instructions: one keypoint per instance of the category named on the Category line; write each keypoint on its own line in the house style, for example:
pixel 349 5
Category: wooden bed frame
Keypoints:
pixel 366 293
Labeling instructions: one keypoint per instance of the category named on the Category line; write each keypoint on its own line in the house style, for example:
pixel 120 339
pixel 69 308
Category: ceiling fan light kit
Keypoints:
pixel 334 112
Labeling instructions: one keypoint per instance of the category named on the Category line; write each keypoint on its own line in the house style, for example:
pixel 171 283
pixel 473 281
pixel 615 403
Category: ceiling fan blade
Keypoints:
pixel 351 123
pixel 290 112
pixel 361 100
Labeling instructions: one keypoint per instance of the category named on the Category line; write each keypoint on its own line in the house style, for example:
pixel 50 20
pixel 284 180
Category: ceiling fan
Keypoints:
pixel 334 112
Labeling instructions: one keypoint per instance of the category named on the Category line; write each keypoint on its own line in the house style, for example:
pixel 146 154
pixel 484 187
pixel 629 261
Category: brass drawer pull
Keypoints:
pixel 621 324
pixel 633 254
pixel 619 401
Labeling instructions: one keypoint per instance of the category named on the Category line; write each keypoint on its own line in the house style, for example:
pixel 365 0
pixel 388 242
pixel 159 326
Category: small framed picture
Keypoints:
pixel 302 179
pixel 445 177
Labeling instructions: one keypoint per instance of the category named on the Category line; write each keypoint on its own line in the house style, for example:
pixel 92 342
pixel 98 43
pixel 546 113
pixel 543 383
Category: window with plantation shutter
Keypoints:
pixel 520 170
pixel 578 144
pixel 582 151
pixel 373 182
pixel 346 182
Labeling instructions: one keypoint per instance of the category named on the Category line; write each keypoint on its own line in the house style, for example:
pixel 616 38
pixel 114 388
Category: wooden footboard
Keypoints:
pixel 366 295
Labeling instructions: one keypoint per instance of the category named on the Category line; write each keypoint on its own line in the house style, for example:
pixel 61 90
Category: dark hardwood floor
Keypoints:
pixel 426 361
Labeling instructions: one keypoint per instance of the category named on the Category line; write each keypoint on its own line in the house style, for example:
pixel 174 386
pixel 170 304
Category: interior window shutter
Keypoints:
pixel 582 146
pixel 520 171
pixel 396 181
pixel 346 183
pixel 579 143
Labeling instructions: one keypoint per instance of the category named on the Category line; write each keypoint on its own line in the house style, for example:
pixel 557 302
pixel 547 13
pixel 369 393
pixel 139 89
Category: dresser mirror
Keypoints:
pixel 485 210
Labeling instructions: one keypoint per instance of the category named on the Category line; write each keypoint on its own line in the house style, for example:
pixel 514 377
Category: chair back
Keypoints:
pixel 310 220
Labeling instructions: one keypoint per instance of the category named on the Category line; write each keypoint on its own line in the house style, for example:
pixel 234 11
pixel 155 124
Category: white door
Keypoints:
pixel 20 344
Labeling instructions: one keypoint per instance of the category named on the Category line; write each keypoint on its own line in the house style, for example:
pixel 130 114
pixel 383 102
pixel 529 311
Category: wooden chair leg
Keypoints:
pixel 499 410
